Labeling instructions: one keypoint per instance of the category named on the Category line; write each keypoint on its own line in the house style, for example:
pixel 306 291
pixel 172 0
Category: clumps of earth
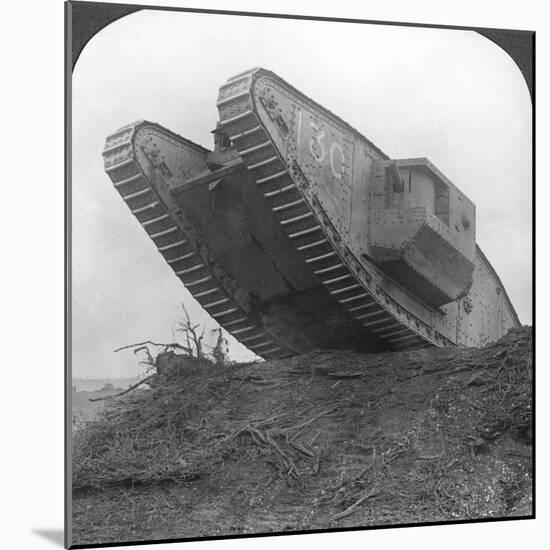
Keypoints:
pixel 329 439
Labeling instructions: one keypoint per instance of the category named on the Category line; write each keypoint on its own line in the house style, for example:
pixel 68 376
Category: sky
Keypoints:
pixel 452 96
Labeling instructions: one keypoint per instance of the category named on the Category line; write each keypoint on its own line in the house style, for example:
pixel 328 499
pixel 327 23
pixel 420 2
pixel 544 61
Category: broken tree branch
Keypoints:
pixel 149 342
pixel 356 504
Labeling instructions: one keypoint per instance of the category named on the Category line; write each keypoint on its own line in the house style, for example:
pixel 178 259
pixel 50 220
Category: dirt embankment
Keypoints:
pixel 328 439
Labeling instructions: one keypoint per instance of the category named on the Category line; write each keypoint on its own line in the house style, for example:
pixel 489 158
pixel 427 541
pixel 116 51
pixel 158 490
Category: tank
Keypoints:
pixel 297 233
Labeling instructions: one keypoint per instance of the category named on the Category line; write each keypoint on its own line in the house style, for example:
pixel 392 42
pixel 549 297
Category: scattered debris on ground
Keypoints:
pixel 323 440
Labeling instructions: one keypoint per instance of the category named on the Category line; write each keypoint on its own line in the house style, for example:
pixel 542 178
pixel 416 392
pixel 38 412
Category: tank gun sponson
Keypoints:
pixel 296 232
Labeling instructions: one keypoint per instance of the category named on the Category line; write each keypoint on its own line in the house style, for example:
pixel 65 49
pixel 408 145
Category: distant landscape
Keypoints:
pixel 82 409
pixel 94 384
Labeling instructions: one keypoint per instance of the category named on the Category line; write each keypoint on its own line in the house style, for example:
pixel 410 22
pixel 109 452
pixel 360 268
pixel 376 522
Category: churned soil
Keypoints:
pixel 326 440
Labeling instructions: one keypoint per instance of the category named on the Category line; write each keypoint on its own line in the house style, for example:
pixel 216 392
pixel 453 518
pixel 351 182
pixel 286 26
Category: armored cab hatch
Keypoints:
pixel 422 231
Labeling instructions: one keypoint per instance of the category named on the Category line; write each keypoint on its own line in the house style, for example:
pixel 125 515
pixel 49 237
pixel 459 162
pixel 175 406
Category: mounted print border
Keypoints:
pixel 300 272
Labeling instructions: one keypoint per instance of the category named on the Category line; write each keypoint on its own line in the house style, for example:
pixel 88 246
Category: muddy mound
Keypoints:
pixel 327 439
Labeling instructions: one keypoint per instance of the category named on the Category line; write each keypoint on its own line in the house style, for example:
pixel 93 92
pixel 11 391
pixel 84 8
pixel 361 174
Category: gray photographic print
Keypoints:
pixel 300 274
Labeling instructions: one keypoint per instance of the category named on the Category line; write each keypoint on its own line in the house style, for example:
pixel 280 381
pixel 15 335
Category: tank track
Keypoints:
pixel 341 275
pixel 175 240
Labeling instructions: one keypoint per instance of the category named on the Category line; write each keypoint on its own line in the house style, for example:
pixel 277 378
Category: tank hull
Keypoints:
pixel 280 239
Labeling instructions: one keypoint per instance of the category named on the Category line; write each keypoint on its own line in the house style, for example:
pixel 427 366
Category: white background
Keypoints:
pixel 32 284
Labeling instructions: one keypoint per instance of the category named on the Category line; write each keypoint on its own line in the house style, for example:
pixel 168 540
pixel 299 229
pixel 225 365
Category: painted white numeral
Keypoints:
pixel 299 137
pixel 316 140
pixel 317 146
pixel 333 148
